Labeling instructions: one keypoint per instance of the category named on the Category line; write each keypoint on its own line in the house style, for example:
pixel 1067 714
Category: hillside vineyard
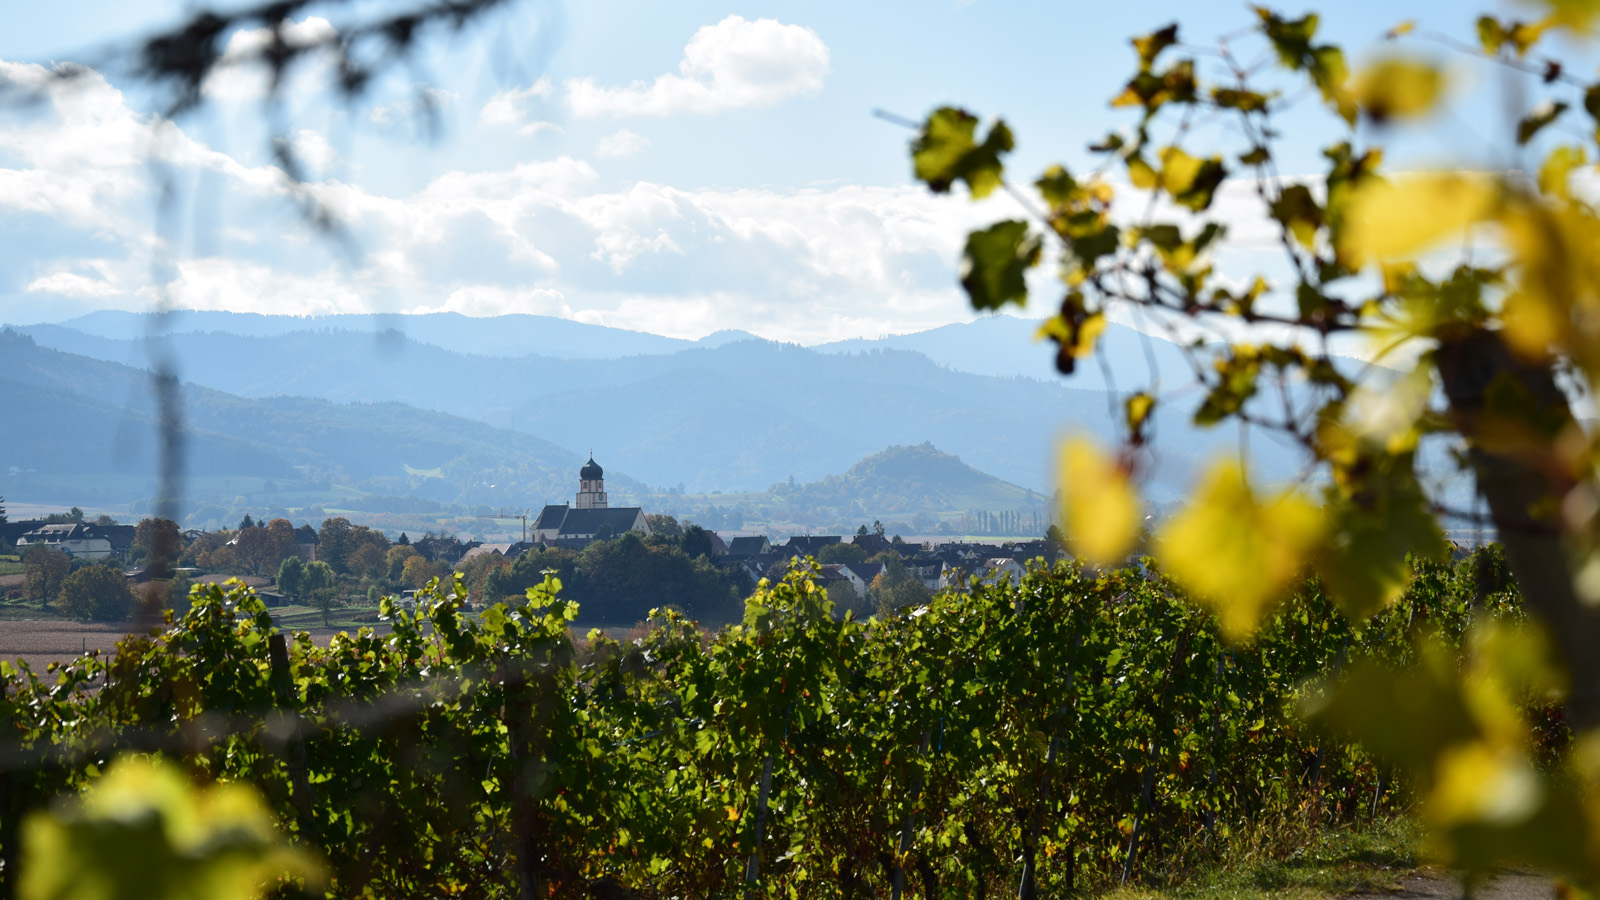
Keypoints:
pixel 1053 732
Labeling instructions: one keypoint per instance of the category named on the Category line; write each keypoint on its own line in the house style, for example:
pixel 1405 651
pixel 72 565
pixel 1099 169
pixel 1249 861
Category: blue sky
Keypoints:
pixel 677 168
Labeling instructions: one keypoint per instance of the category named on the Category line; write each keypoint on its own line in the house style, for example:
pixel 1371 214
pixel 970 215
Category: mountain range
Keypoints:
pixel 728 413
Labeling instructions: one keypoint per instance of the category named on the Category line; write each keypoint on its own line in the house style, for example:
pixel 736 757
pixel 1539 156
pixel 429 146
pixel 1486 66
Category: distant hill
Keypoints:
pixel 511 335
pixel 1007 346
pixel 910 489
pixel 920 486
pixel 83 427
pixel 736 416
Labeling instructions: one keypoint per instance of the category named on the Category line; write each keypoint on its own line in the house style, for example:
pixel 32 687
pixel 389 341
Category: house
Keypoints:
pixel 748 547
pixel 808 544
pixel 861 575
pixel 934 573
pixel 305 543
pixel 1049 551
pixel 719 547
pixel 872 543
pixel 591 516
pixel 81 541
pixel 483 550
pixel 999 568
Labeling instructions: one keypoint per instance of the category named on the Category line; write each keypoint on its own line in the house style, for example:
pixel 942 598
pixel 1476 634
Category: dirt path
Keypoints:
pixel 1509 885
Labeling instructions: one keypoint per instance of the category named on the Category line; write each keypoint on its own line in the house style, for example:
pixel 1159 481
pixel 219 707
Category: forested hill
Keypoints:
pixel 81 427
pixel 911 489
pixel 905 480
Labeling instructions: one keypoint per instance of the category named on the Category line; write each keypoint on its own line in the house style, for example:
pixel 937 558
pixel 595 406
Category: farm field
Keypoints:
pixel 44 641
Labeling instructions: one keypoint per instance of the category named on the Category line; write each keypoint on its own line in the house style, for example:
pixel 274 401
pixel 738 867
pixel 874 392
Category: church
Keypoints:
pixel 589 517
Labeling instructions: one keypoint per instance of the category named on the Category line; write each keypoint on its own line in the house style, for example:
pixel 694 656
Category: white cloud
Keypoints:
pixel 514 109
pixel 733 64
pixel 487 300
pixel 240 286
pixel 546 236
pixel 623 143
pixel 313 151
pixel 241 75
pixel 72 284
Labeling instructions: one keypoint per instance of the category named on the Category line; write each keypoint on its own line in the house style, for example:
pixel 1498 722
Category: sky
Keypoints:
pixel 676 168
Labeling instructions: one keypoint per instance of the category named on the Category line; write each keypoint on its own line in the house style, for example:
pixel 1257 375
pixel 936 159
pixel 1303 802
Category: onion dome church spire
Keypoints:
pixel 591 485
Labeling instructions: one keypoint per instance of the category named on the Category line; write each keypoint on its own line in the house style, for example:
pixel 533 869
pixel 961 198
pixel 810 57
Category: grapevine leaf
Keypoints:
pixel 946 151
pixel 1100 506
pixel 995 262
pixel 1235 553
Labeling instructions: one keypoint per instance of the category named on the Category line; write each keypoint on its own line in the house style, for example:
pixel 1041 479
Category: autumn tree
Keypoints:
pixel 99 593
pixel 43 570
pixel 417 571
pixel 1474 289
pixel 260 549
pixel 368 560
pixel 153 533
pixel 395 560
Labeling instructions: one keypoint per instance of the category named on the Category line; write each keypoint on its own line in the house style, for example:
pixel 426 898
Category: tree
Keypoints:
pixel 99 593
pixel 666 526
pixel 844 596
pixel 75 515
pixel 404 541
pixel 291 576
pixel 319 582
pixel 368 561
pixel 156 538
pixel 861 531
pixel 417 571
pixel 259 549
pixel 43 570
pixel 246 522
pixel 1491 347
pixel 395 560
pixel 3 519
pixel 335 542
pixel 842 553
pixel 696 542
pixel 105 519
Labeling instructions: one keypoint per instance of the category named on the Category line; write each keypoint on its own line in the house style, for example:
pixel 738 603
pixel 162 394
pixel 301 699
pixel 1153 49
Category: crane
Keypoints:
pixel 504 515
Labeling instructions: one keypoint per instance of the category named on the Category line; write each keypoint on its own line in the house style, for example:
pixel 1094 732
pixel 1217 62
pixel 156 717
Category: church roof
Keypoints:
pixel 551 516
pixel 591 470
pixel 580 522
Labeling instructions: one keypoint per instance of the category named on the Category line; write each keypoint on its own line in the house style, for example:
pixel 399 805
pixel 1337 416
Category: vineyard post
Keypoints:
pixel 294 749
pixel 753 868
pixel 1211 780
pixel 1027 887
pixel 910 825
pixel 518 714
pixel 1147 795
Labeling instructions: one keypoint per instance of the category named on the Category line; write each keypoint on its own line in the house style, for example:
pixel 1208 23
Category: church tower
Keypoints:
pixel 591 486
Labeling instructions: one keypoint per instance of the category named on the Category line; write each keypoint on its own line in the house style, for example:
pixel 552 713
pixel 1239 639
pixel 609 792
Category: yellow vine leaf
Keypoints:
pixel 145 825
pixel 1577 15
pixel 1403 217
pixel 1398 87
pixel 1236 553
pixel 1101 508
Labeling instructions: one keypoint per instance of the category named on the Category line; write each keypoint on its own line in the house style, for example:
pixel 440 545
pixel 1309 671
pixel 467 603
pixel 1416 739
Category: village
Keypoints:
pixel 620 562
